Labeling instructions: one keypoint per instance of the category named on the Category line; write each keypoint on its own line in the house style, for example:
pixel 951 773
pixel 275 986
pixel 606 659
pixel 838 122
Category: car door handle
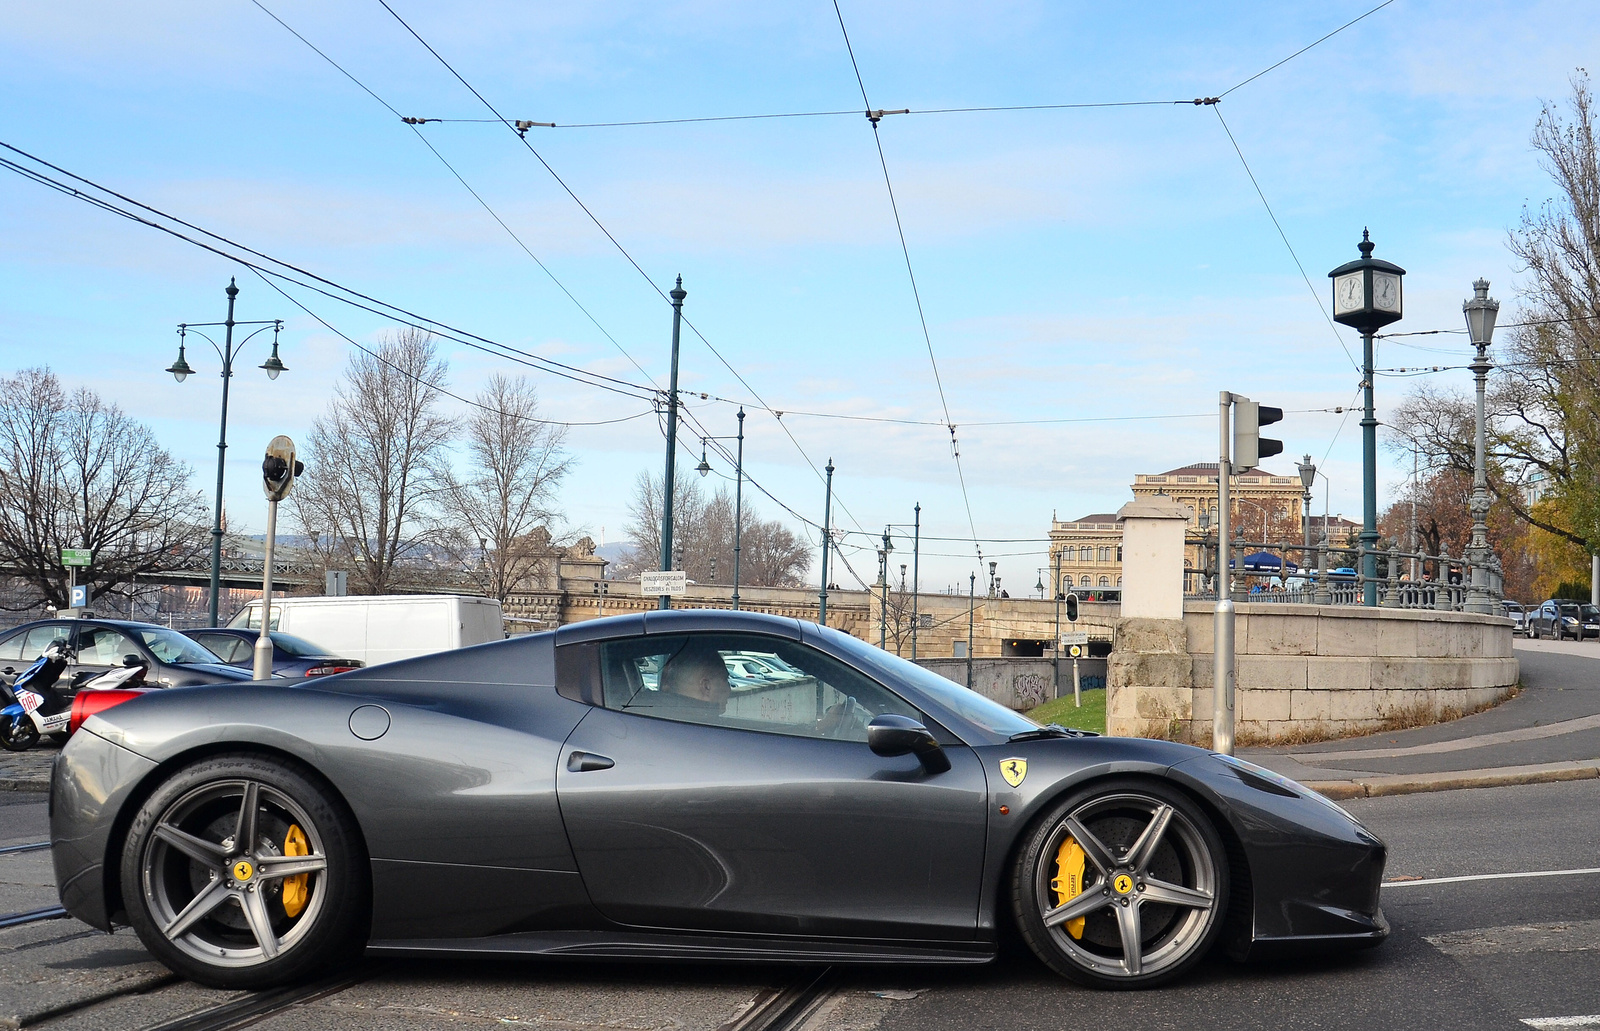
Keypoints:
pixel 585 762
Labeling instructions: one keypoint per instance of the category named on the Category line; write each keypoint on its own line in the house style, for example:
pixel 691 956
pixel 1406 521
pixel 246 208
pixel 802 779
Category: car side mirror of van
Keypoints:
pixel 891 734
pixel 135 660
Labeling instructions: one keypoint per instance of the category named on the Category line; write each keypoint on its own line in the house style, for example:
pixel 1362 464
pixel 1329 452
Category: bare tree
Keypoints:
pixel 79 473
pixel 370 499
pixel 516 463
pixel 1543 404
pixel 771 555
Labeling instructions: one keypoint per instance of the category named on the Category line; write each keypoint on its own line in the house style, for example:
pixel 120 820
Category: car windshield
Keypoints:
pixel 299 647
pixel 1591 612
pixel 989 715
pixel 173 648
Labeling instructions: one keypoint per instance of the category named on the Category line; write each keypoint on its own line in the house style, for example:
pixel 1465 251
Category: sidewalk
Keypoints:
pixel 1549 732
pixel 27 771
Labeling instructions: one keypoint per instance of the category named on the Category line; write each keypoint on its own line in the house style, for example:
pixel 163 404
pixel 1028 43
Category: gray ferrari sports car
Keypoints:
pixel 612 789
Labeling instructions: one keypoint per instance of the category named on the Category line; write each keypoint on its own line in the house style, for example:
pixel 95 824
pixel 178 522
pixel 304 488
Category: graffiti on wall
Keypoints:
pixel 1032 689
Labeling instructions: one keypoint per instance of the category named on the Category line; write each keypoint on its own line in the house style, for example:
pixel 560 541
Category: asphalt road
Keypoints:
pixel 1468 954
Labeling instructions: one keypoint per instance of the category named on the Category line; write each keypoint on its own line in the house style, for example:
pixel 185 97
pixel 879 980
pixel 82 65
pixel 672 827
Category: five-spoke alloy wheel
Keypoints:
pixel 242 872
pixel 1123 885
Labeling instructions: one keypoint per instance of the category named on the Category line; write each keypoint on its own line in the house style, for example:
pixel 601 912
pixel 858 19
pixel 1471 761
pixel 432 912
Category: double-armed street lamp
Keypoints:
pixel 1481 312
pixel 1367 297
pixel 227 351
pixel 738 495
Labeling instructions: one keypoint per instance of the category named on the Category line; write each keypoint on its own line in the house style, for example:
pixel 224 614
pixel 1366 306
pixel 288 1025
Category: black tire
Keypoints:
pixel 219 913
pixel 18 733
pixel 1125 869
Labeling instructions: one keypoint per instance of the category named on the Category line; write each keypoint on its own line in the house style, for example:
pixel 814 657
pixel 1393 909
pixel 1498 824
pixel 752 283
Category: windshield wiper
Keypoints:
pixel 1050 730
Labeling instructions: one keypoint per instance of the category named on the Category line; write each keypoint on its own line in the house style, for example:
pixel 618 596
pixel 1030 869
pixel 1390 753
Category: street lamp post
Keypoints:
pixel 668 487
pixel 1481 312
pixel 1308 476
pixel 916 555
pixel 827 517
pixel 227 352
pixel 883 579
pixel 1367 297
pixel 738 495
pixel 1056 648
pixel 972 588
pixel 992 585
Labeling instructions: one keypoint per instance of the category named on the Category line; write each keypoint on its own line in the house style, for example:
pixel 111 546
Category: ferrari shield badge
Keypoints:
pixel 1013 770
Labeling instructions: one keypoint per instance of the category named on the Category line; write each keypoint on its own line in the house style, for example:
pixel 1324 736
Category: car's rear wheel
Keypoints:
pixel 243 872
pixel 1123 885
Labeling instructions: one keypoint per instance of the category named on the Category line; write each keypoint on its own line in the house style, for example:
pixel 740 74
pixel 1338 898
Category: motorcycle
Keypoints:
pixel 37 705
pixel 33 706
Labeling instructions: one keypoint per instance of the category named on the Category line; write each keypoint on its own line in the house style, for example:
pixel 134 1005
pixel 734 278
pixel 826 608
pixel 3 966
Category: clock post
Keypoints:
pixel 1367 297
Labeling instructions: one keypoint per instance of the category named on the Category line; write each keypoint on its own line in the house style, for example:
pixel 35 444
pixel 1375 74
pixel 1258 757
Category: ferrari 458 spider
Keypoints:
pixel 616 788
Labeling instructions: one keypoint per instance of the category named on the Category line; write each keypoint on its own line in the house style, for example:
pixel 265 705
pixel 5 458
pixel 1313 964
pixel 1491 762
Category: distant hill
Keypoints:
pixel 614 551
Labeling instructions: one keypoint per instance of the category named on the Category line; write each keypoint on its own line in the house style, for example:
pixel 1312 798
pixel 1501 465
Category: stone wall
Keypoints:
pixel 1309 671
pixel 1021 684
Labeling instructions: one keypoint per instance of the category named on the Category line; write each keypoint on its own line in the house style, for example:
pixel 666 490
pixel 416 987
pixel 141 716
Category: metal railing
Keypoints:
pixel 1331 575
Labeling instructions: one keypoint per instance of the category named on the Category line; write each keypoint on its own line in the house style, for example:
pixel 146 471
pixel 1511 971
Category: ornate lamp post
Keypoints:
pixel 1481 312
pixel 1308 476
pixel 227 352
pixel 1367 297
pixel 738 496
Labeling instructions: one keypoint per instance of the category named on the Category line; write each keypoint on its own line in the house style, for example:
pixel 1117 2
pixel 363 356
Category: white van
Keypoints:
pixel 383 627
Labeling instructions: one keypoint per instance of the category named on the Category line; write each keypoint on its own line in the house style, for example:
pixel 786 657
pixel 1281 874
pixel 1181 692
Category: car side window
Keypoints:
pixel 744 681
pixel 227 646
pixel 40 638
pixel 102 646
pixel 11 647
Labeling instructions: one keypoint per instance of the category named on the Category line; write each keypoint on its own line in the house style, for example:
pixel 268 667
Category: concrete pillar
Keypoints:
pixel 1149 677
pixel 1152 558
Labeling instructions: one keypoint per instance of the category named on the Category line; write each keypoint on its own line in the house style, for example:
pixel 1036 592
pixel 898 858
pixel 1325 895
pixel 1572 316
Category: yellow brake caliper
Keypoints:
pixel 297 889
pixel 1067 883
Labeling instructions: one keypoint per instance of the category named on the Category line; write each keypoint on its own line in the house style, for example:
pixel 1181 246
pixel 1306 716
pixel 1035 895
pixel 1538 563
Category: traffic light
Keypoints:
pixel 1072 608
pixel 1249 447
pixel 279 469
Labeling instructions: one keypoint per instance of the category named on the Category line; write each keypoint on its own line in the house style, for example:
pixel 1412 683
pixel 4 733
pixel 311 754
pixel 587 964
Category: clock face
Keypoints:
pixel 1386 292
pixel 1349 293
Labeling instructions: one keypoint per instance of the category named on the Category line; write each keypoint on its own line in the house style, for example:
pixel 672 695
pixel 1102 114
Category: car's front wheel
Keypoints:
pixel 244 872
pixel 1123 885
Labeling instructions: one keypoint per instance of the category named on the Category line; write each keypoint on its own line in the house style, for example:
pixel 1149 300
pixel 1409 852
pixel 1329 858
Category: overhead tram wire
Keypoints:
pixel 413 125
pixel 521 136
pixel 1303 49
pixel 365 302
pixel 922 318
pixel 377 356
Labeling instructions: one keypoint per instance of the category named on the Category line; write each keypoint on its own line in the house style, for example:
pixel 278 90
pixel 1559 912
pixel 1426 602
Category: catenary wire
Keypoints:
pixel 1303 49
pixel 412 123
pixel 377 307
pixel 916 294
pixel 1285 238
pixel 600 225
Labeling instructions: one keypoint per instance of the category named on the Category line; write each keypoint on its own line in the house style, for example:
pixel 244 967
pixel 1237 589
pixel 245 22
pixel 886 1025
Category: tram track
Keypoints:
pixel 786 1007
pixel 32 846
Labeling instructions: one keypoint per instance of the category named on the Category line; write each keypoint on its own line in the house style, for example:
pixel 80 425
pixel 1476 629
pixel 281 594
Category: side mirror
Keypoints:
pixel 135 660
pixel 891 734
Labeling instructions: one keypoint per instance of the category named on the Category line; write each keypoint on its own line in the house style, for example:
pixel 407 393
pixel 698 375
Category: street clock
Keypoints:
pixel 1367 292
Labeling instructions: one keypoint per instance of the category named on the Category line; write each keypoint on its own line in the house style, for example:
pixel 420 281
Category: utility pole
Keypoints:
pixel 916 547
pixel 972 588
pixel 827 540
pixel 883 607
pixel 678 294
pixel 1056 590
pixel 1222 674
pixel 738 507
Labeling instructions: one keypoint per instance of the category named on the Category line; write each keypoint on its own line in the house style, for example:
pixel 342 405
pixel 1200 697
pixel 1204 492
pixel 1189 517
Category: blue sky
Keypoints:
pixel 1090 264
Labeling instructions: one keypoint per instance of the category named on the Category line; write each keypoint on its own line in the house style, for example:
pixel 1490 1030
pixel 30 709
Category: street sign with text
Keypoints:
pixel 76 556
pixel 674 582
pixel 1079 638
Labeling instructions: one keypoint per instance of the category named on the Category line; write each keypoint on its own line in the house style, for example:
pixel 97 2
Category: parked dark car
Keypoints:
pixel 539 797
pixel 1561 619
pixel 100 645
pixel 291 656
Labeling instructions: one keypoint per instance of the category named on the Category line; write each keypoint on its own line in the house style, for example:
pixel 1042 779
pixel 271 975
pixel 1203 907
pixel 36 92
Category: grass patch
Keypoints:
pixel 1092 716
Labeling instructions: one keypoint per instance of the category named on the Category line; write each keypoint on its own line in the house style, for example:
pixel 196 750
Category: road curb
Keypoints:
pixel 19 784
pixel 1500 776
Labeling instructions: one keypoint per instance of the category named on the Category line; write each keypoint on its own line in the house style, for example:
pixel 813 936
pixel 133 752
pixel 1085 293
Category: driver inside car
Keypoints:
pixel 696 679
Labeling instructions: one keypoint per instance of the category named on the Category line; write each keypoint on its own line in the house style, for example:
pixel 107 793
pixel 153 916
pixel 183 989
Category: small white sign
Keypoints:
pixel 673 582
pixel 1080 638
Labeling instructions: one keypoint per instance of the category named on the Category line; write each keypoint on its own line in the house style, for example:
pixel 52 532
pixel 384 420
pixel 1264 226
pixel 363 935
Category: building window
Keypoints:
pixel 1084 581
pixel 1119 581
pixel 1105 581
pixel 1119 553
pixel 1084 553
